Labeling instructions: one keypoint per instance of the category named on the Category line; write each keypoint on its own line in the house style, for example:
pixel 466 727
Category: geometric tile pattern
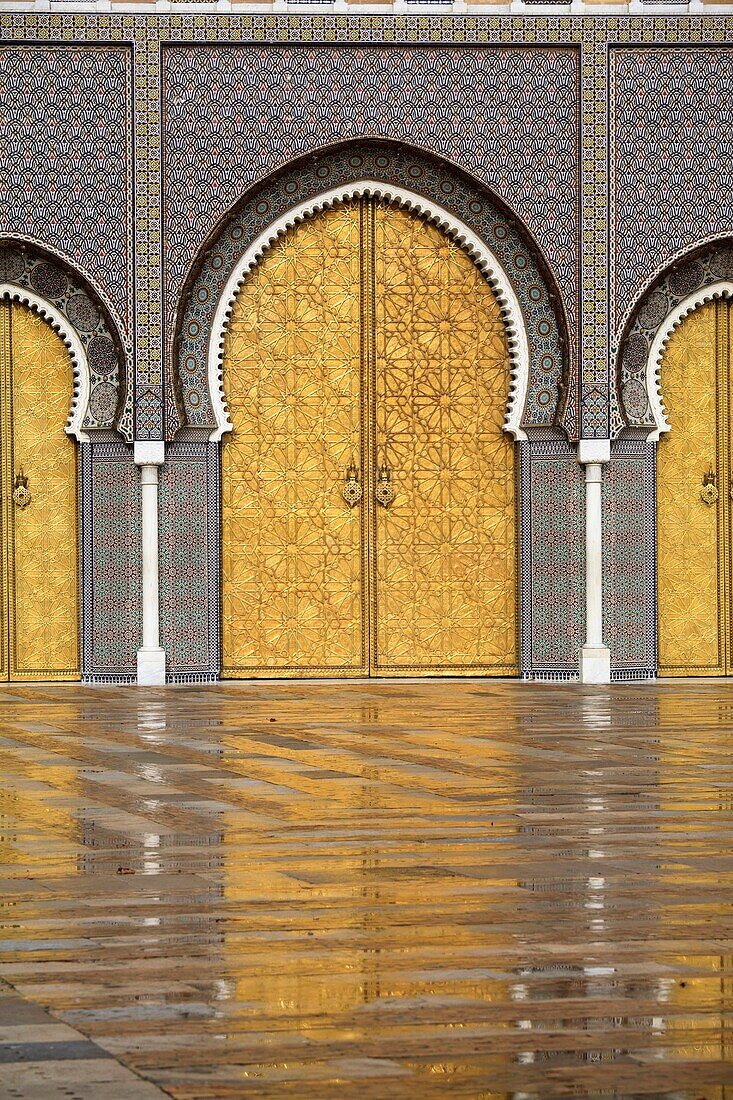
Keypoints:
pixel 29 268
pixel 381 891
pixel 65 131
pixel 111 563
pixel 189 561
pixel 700 268
pixel 518 134
pixel 149 258
pixel 623 248
pixel 390 163
pixel 672 160
pixel 629 565
pixel 552 558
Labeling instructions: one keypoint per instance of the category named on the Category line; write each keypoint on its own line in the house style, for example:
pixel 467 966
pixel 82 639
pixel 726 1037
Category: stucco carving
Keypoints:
pixel 457 230
pixel 77 354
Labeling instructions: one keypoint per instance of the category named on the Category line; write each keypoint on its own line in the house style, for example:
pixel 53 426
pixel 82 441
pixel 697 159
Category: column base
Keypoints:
pixel 151 667
pixel 595 664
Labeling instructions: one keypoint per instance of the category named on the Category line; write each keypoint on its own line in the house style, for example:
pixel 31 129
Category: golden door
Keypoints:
pixel 694 498
pixel 39 606
pixel 367 344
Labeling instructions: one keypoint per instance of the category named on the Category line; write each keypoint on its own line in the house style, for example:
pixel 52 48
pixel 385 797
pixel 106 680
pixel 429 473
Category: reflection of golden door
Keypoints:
pixel 39 607
pixel 694 498
pixel 366 335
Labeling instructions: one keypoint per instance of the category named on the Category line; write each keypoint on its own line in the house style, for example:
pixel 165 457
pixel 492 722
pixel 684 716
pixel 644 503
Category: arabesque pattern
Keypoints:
pixel 445 549
pixel 692 534
pixel 291 569
pixel 41 548
pixel 367 336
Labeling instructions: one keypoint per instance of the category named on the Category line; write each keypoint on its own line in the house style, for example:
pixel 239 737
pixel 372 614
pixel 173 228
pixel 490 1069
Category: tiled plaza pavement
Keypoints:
pixel 377 891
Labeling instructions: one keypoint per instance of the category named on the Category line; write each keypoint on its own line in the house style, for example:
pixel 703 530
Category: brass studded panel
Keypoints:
pixel 693 518
pixel 292 591
pixel 445 549
pixel 40 608
pixel 367 335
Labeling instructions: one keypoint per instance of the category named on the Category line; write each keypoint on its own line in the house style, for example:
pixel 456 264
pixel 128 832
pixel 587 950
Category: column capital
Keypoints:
pixel 594 450
pixel 149 452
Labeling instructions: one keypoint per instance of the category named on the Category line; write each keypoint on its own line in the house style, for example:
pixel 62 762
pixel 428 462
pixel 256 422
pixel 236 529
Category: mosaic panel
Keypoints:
pixel 518 132
pixel 425 176
pixel 111 563
pixel 704 267
pixel 30 269
pixel 65 143
pixel 189 561
pixel 671 159
pixel 552 561
pixel 629 605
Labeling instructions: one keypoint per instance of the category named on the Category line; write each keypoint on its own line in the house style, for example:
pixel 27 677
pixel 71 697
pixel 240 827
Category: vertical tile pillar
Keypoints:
pixel 595 657
pixel 149 456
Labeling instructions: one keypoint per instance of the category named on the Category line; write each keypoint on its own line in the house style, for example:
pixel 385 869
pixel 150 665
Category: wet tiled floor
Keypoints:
pixel 377 891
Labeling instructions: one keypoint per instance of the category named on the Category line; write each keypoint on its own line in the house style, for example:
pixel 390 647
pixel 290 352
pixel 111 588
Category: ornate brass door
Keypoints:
pixel 368 493
pixel 39 607
pixel 694 498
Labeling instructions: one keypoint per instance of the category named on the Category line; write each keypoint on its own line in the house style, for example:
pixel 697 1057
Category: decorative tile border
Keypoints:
pixel 111 563
pixel 391 164
pixel 703 267
pixel 66 138
pixel 671 156
pixel 629 559
pixel 110 398
pixel 189 561
pixel 552 559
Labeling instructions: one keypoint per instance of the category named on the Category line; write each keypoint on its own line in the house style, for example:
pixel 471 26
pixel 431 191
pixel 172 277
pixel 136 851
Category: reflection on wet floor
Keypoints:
pixel 473 888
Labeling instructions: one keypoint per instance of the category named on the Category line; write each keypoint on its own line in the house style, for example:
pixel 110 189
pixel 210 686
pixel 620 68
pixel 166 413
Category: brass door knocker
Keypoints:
pixel 21 492
pixel 352 490
pixel 384 489
pixel 709 492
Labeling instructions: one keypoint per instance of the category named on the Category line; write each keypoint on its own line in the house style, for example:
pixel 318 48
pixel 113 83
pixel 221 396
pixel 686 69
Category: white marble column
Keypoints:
pixel 149 456
pixel 595 657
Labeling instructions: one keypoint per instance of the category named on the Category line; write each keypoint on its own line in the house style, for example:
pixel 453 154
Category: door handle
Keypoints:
pixel 384 489
pixel 21 493
pixel 352 490
pixel 709 492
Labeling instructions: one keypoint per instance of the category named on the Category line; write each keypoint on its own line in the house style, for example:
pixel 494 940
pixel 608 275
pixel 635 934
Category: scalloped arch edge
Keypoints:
pixel 721 289
pixel 484 259
pixel 74 346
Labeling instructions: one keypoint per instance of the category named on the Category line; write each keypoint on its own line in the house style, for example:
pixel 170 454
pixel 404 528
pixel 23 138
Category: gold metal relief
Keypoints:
pixel 693 495
pixel 40 548
pixel 292 589
pixel 384 489
pixel 445 557
pixel 709 493
pixel 352 491
pixel 21 493
pixel 367 332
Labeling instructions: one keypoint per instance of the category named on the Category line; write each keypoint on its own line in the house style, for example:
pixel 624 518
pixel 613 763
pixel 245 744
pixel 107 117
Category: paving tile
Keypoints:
pixel 408 889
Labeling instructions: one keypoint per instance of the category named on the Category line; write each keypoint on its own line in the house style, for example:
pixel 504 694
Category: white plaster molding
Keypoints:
pixel 595 657
pixel 150 656
pixel 72 341
pixel 484 259
pixel 594 450
pixel 722 289
pixel 149 452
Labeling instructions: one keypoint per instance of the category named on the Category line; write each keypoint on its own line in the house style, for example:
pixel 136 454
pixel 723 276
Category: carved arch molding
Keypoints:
pixel 697 277
pixel 406 177
pixel 102 398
